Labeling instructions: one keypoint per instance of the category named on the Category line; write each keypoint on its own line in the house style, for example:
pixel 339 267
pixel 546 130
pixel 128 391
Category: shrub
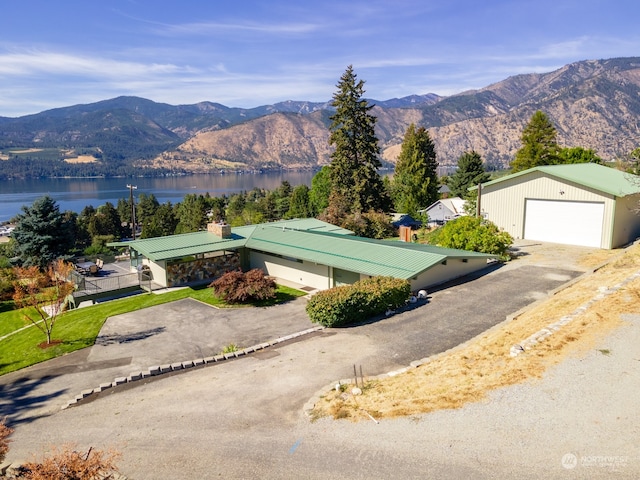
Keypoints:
pixel 358 302
pixel 4 438
pixel 238 287
pixel 67 463
pixel 473 234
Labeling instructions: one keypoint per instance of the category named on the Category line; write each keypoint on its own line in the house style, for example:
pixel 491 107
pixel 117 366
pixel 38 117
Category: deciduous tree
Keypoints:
pixel 43 294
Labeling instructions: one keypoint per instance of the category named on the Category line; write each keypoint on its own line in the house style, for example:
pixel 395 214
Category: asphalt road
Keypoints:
pixel 244 418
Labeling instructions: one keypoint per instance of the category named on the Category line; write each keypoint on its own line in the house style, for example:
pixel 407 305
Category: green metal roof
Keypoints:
pixel 356 254
pixel 597 177
pixel 177 246
pixel 309 240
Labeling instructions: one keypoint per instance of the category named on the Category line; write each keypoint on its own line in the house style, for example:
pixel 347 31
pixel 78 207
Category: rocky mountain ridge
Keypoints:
pixel 593 104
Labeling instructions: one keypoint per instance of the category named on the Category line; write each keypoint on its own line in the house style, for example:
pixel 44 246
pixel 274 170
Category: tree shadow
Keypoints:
pixel 129 337
pixel 20 396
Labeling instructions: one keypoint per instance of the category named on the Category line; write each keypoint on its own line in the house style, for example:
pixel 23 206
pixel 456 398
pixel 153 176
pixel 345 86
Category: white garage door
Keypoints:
pixel 573 223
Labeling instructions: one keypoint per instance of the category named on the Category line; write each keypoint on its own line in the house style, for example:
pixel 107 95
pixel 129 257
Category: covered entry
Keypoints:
pixel 574 223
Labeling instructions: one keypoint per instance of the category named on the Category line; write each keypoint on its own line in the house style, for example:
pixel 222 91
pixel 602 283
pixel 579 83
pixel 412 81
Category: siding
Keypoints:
pixel 305 273
pixel 504 203
pixel 455 268
pixel 626 221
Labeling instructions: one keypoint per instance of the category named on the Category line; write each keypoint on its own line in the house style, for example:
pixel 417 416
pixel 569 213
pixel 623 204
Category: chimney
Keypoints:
pixel 222 230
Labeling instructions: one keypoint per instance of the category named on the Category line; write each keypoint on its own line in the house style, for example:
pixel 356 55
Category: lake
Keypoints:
pixel 76 193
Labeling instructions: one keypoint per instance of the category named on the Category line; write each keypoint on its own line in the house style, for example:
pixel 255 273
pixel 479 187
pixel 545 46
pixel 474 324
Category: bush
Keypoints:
pixel 4 438
pixel 66 463
pixel 473 234
pixel 358 302
pixel 238 287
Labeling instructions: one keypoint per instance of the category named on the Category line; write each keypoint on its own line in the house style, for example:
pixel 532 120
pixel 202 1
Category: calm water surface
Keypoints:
pixel 76 193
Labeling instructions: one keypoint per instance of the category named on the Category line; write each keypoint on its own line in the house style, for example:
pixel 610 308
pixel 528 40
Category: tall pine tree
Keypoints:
pixel 539 144
pixel 415 181
pixel 470 172
pixel 355 162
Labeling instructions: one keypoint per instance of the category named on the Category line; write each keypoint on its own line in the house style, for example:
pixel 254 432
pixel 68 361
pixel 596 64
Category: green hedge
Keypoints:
pixel 358 302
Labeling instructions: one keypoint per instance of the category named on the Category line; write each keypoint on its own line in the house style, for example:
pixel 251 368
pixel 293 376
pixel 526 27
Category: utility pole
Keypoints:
pixel 133 210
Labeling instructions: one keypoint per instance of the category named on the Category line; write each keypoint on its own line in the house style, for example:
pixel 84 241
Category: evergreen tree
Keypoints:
pixel 146 209
pixel 192 213
pixel 299 206
pixel 415 182
pixel 355 162
pixel 163 222
pixel 539 144
pixel 320 190
pixel 42 233
pixel 470 172
pixel 106 222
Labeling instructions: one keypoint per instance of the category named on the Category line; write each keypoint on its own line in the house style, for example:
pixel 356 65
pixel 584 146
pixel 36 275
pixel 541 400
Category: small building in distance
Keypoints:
pixel 444 210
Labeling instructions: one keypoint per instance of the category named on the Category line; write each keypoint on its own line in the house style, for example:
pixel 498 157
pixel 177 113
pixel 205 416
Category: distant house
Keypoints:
pixel 578 204
pixel 310 253
pixel 444 210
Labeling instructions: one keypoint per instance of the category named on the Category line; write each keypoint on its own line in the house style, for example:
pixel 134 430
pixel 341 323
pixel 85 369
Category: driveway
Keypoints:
pixel 243 418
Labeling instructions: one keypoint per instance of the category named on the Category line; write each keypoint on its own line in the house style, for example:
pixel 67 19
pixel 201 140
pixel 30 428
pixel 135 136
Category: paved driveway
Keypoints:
pixel 243 418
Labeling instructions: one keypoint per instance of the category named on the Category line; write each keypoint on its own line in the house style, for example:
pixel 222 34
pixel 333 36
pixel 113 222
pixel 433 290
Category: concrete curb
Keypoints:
pixel 157 370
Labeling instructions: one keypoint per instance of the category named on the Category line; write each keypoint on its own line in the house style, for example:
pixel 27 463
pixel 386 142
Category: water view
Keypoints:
pixel 76 193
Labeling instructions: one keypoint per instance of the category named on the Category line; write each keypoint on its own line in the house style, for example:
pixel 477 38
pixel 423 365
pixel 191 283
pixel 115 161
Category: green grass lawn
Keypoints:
pixel 79 328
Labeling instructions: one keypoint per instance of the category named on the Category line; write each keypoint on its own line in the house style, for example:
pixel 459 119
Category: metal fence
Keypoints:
pixel 91 286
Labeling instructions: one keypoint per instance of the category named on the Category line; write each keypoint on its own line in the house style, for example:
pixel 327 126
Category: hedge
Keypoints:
pixel 358 302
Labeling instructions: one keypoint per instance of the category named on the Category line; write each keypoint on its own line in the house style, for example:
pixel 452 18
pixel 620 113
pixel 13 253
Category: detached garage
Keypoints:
pixel 578 204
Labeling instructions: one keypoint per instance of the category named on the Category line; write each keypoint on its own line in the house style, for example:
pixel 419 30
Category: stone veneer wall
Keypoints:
pixel 202 269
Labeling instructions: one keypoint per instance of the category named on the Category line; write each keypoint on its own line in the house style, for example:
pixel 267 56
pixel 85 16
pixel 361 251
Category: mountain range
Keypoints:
pixel 593 104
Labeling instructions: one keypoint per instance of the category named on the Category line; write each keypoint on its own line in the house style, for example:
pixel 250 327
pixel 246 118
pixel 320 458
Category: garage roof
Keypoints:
pixel 591 175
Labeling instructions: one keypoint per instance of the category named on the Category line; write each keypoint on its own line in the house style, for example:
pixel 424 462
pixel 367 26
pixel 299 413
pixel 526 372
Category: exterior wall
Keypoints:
pixel 454 268
pixel 305 273
pixel 158 271
pixel 626 221
pixel 504 203
pixel 439 213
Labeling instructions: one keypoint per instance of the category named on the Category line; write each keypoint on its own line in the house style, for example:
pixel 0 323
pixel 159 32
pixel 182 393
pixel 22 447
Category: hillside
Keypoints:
pixel 594 104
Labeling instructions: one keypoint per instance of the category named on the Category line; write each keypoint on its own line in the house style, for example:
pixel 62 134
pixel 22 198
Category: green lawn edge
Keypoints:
pixel 78 329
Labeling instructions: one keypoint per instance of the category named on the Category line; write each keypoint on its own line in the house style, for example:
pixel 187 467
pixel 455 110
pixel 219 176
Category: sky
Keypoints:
pixel 250 53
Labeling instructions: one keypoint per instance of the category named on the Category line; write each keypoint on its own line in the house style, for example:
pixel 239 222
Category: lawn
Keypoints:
pixel 79 328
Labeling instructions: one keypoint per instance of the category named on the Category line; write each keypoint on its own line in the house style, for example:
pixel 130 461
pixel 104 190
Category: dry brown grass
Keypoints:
pixel 466 374
pixel 81 159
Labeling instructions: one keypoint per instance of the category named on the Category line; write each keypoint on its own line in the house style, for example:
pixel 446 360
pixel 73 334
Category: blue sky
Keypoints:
pixel 249 53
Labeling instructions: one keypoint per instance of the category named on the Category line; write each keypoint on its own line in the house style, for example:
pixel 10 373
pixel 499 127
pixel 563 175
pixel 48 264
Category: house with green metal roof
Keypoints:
pixel 309 253
pixel 578 204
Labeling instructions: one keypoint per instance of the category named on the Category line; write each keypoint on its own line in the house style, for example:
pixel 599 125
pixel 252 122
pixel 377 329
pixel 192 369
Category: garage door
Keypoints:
pixel 573 223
